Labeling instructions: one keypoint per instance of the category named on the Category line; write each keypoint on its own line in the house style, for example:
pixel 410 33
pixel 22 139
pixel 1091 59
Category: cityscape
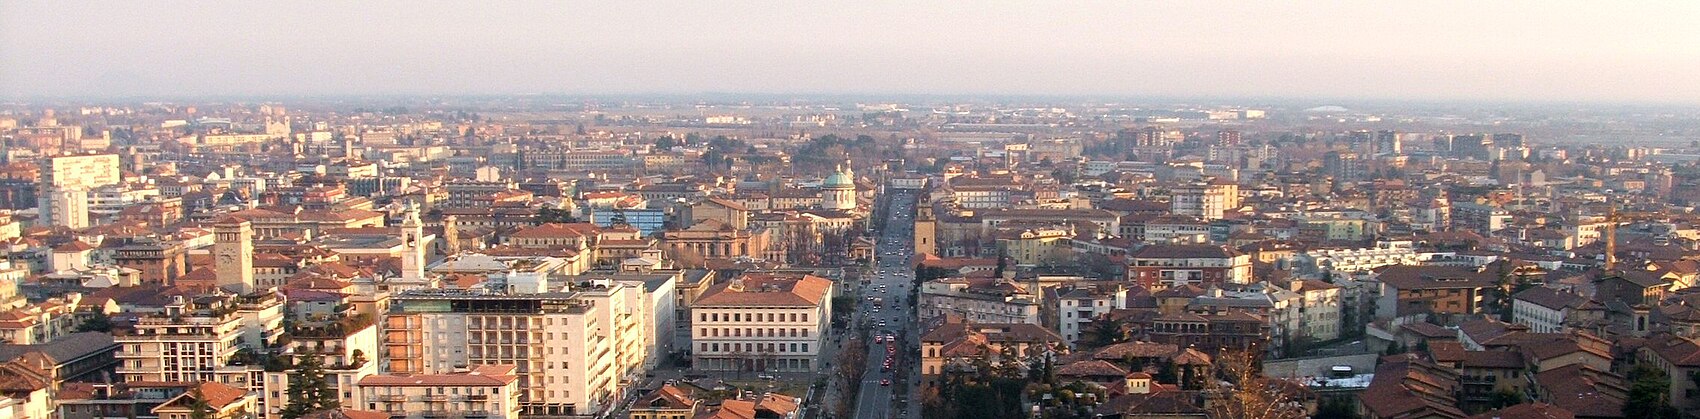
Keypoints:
pixel 276 216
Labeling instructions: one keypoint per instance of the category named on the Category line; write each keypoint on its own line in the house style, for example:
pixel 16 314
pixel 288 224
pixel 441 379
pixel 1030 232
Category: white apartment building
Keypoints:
pixel 978 301
pixel 63 193
pixel 1545 310
pixel 1078 307
pixel 623 314
pixel 347 355
pixel 762 322
pixel 556 341
pixel 1358 260
pixel 479 391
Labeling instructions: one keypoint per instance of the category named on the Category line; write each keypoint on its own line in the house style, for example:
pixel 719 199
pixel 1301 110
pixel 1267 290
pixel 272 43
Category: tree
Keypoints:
pixel 199 408
pixel 309 390
pixel 666 143
pixel 1240 390
pixel 1003 262
pixel 96 323
pixel 1649 394
pixel 553 215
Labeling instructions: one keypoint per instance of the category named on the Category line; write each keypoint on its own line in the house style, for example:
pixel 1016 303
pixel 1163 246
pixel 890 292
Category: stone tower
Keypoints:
pixel 451 235
pixel 412 245
pixel 233 250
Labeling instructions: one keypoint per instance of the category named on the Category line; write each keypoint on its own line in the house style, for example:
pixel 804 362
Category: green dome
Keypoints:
pixel 840 179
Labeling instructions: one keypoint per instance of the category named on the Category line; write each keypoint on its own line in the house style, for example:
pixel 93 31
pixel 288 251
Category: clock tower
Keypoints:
pixel 233 253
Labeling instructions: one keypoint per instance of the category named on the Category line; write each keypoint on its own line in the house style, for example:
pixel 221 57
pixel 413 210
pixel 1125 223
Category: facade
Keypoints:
pixel 1206 200
pixel 1164 266
pixel 1483 219
pixel 838 192
pixel 1407 290
pixel 980 301
pixel 66 182
pixel 233 250
pixel 1549 310
pixel 762 322
pixel 1077 308
pixel 199 341
pixel 481 391
pixel 555 341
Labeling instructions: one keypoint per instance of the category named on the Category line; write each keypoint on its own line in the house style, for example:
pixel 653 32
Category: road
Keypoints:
pixel 891 281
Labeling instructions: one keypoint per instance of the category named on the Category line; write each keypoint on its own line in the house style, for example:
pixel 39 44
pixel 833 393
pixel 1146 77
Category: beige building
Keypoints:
pixel 200 341
pixel 65 185
pixel 1207 200
pixel 761 322
pixel 555 340
pixel 1033 245
pixel 479 391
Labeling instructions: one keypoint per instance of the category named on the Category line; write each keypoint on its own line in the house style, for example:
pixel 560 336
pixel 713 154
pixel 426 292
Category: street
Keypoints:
pixel 886 307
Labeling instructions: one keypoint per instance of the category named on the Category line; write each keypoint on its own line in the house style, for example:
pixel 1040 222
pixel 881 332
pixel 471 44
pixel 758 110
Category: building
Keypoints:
pixel 1345 166
pixel 993 300
pixel 1480 218
pixel 666 402
pixel 953 346
pixel 838 192
pixel 157 261
pixel 1033 245
pixel 223 401
pixel 233 250
pixel 555 341
pixel 1170 265
pixel 1407 290
pixel 1206 200
pixel 1078 307
pixel 480 391
pixel 199 339
pixel 1550 310
pixel 65 184
pixel 762 322
pixel 716 239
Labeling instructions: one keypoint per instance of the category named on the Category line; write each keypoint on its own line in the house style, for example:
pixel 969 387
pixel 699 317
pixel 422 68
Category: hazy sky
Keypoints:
pixel 1545 50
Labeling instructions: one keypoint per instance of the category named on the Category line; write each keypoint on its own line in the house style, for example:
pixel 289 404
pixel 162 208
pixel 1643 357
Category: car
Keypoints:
pixel 885 381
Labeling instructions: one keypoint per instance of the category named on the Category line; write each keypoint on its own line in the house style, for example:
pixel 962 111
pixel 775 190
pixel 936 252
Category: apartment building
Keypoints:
pixel 987 300
pixel 1078 306
pixel 762 322
pixel 1163 266
pixel 199 339
pixel 555 340
pixel 479 391
pixel 65 184
pixel 1207 200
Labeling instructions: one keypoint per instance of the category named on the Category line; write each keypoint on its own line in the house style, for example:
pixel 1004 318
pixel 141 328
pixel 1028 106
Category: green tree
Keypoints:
pixel 309 390
pixel 553 215
pixel 199 408
pixel 96 323
pixel 1649 394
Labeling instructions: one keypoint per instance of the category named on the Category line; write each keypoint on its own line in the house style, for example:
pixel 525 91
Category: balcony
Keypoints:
pixel 391 398
pixel 436 397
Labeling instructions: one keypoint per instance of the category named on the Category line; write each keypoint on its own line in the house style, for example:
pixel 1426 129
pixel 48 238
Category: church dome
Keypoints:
pixel 840 179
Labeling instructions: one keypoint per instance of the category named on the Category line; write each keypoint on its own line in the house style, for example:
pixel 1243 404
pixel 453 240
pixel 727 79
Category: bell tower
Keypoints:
pixel 412 245
pixel 233 248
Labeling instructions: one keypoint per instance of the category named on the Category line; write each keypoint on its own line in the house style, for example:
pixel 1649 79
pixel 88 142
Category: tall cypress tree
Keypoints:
pixel 309 390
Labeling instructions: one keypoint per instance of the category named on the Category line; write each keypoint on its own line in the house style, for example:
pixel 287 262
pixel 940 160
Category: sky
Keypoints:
pixel 1621 52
